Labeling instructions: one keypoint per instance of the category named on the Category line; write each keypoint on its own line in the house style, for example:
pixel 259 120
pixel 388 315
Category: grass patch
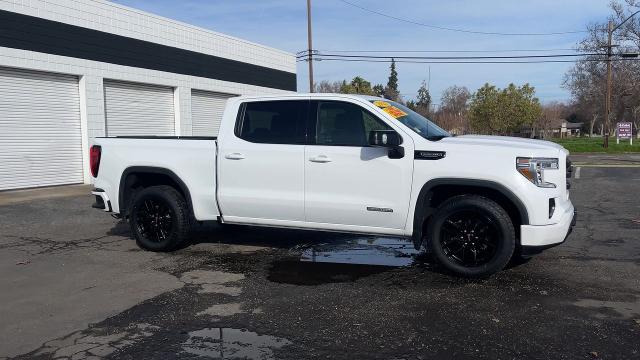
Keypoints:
pixel 594 145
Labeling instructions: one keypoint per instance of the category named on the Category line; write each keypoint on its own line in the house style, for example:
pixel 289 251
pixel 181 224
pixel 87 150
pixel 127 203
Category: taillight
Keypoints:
pixel 94 159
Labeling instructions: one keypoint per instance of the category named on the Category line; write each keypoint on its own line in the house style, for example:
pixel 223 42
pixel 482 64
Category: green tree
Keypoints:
pixel 518 108
pixel 484 108
pixel 424 98
pixel 391 90
pixel 358 85
pixel 506 111
pixel 378 90
pixel 346 88
pixel 423 101
pixel 361 86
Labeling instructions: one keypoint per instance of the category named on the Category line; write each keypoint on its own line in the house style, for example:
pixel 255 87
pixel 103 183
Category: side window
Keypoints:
pixel 273 122
pixel 346 124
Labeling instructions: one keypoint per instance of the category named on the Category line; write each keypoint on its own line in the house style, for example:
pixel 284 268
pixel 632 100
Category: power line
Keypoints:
pixel 466 61
pixel 448 62
pixel 443 51
pixel 459 30
pixel 450 57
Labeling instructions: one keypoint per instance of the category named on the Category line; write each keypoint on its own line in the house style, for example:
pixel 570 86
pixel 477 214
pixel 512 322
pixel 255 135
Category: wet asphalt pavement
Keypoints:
pixel 75 286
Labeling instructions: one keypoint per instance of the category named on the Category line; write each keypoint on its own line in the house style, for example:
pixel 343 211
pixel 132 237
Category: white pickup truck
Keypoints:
pixel 344 163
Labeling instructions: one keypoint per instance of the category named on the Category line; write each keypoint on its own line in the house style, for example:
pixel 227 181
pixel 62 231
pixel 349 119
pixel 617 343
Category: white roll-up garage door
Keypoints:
pixel 40 134
pixel 206 112
pixel 138 109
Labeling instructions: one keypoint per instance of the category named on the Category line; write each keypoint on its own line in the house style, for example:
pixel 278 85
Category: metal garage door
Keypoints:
pixel 40 135
pixel 138 109
pixel 206 112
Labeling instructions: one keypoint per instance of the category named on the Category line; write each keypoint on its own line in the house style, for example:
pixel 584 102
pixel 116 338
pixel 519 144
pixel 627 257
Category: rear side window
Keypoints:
pixel 345 124
pixel 273 122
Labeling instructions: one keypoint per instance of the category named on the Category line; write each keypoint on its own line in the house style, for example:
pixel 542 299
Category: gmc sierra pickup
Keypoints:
pixel 343 163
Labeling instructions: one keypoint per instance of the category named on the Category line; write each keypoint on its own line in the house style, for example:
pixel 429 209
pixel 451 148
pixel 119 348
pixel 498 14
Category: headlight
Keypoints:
pixel 533 169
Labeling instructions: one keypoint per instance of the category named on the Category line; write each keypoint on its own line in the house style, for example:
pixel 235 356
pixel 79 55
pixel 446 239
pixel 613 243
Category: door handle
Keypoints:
pixel 320 159
pixel 234 156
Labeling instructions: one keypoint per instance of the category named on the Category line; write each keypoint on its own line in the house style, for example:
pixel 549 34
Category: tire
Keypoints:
pixel 159 218
pixel 471 236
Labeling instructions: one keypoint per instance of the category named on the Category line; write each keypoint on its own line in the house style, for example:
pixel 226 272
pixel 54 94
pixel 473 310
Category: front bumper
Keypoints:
pixel 535 238
pixel 102 200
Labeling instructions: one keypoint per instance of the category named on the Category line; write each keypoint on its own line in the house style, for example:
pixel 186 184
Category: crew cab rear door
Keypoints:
pixel 350 185
pixel 261 162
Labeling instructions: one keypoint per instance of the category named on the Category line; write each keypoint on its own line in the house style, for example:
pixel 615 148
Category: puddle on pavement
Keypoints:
pixel 344 261
pixel 368 251
pixel 229 343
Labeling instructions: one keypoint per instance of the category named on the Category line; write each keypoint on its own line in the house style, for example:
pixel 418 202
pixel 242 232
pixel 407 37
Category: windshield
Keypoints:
pixel 411 119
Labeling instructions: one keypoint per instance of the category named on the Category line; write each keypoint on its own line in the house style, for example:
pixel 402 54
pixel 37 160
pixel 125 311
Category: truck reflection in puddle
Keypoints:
pixel 228 343
pixel 368 251
pixel 344 261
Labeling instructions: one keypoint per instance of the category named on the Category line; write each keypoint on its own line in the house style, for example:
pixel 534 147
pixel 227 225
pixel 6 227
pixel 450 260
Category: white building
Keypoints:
pixel 71 70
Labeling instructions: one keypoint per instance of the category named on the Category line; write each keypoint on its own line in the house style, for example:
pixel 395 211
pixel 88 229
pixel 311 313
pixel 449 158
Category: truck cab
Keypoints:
pixel 346 163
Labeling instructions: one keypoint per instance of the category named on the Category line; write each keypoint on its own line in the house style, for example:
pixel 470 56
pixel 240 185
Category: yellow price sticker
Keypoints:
pixel 381 104
pixel 394 111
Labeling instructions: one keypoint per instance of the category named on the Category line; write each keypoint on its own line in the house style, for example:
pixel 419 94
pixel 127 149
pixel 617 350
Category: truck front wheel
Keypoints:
pixel 159 218
pixel 471 236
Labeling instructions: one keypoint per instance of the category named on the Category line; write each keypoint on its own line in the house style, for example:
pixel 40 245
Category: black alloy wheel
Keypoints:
pixel 159 218
pixel 471 236
pixel 154 220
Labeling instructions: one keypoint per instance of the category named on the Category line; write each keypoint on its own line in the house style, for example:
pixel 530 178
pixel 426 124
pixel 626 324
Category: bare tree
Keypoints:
pixel 636 120
pixel 453 113
pixel 551 114
pixel 325 86
pixel 586 80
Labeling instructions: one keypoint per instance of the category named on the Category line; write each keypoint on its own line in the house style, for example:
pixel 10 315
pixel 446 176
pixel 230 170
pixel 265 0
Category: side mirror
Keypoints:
pixel 384 138
pixel 388 139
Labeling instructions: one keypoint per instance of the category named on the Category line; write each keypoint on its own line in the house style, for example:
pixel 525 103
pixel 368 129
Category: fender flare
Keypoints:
pixel 151 170
pixel 422 212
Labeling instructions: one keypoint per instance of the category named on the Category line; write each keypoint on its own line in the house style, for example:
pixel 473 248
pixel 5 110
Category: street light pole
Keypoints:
pixel 310 43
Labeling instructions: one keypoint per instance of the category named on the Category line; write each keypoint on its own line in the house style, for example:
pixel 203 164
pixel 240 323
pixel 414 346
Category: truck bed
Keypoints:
pixel 192 162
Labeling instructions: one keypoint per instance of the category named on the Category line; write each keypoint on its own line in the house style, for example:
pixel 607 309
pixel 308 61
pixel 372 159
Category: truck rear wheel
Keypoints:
pixel 159 218
pixel 471 236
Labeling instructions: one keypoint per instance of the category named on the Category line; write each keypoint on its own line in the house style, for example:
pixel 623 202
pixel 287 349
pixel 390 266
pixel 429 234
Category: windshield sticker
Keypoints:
pixel 394 111
pixel 381 104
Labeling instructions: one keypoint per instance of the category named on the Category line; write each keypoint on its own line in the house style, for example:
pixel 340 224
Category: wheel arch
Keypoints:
pixel 145 176
pixel 435 191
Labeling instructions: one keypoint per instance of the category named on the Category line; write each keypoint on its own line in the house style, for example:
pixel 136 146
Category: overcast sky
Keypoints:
pixel 339 26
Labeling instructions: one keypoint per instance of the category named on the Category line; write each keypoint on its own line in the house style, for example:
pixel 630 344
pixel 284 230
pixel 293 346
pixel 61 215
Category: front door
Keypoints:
pixel 261 164
pixel 348 184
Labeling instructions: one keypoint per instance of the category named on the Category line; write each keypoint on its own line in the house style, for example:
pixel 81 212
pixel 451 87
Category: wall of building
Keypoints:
pixel 122 21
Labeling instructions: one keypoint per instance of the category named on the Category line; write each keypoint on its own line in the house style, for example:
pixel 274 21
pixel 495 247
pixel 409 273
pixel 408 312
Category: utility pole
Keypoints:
pixel 607 111
pixel 610 31
pixel 309 50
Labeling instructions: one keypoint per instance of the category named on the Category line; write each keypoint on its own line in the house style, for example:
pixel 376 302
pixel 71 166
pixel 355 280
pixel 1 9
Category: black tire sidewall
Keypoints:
pixel 166 196
pixel 487 207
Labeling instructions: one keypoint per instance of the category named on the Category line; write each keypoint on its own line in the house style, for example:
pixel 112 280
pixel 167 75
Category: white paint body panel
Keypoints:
pixel 277 185
pixel 544 235
pixel 339 191
pixel 264 181
pixel 193 161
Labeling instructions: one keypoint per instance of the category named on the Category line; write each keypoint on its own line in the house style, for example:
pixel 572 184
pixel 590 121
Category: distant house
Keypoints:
pixel 566 129
pixel 557 128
